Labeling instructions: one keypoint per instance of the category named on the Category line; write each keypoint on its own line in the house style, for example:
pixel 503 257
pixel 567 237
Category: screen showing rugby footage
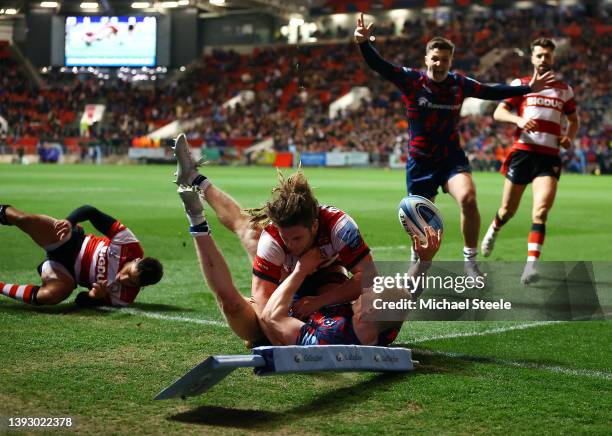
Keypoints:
pixel 110 41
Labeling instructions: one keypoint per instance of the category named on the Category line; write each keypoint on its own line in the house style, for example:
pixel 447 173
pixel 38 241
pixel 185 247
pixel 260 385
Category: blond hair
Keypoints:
pixel 292 203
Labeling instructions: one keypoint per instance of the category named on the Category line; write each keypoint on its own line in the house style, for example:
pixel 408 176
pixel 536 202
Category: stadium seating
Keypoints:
pixel 294 86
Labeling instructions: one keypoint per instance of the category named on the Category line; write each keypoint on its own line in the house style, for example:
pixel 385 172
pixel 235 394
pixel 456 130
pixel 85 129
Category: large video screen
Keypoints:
pixel 110 41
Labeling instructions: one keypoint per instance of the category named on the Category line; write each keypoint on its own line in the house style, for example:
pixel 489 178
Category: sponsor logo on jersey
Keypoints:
pixel 101 264
pixel 544 101
pixel 261 265
pixel 424 102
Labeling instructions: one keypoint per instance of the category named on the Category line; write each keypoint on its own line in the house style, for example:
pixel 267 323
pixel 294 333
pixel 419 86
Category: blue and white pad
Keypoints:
pixel 290 359
pixel 296 358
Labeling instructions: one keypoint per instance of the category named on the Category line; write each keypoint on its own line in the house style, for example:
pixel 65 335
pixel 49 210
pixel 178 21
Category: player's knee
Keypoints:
pixel 540 215
pixel 468 202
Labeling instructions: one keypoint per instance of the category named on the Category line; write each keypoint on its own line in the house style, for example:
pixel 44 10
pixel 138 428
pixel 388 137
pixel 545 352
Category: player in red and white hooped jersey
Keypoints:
pixel 294 223
pixel 112 266
pixel 337 238
pixel 274 237
pixel 334 324
pixel 544 112
pixel 535 152
pixel 101 259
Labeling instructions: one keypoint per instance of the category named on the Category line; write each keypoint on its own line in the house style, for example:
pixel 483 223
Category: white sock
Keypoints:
pixel 469 254
pixel 195 220
pixel 491 232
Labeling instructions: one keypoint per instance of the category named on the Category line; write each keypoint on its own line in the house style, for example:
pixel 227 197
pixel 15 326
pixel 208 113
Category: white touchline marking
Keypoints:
pixel 518 364
pixel 392 247
pixel 499 329
pixel 161 316
pixel 484 332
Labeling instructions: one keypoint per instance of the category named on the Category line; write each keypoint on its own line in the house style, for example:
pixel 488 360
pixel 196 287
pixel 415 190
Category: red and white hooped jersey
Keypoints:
pixel 338 238
pixel 101 258
pixel 546 107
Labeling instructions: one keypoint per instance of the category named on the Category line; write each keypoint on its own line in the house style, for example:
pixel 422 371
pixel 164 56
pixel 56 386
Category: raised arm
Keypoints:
pixel 501 91
pixel 374 60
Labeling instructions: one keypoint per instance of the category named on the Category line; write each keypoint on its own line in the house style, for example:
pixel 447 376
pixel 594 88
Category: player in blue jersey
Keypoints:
pixel 433 101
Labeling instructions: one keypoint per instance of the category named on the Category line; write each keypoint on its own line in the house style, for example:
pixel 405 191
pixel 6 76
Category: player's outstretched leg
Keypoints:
pixel 234 218
pixel 41 228
pixel 511 199
pixel 186 167
pixel 228 211
pixel 238 311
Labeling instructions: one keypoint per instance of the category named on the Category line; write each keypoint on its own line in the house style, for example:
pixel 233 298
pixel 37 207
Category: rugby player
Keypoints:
pixel 433 101
pixel 112 267
pixel 275 236
pixel 535 152
pixel 331 324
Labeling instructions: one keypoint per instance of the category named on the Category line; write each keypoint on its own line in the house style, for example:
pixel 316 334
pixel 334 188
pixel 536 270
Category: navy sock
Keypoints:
pixel 3 220
pixel 200 229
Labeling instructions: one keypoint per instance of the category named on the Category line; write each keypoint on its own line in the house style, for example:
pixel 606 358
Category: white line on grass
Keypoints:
pixel 503 329
pixel 494 331
pixel 518 364
pixel 161 316
pixel 391 247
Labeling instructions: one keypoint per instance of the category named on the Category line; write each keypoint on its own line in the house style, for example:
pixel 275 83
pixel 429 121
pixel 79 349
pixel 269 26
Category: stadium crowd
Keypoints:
pixel 294 86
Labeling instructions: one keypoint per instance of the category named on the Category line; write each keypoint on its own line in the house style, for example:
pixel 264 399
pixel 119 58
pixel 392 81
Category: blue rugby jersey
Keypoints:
pixel 433 108
pixel 333 325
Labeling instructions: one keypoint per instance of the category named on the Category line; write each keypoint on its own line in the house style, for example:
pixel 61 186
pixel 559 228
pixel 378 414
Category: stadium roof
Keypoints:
pixel 123 7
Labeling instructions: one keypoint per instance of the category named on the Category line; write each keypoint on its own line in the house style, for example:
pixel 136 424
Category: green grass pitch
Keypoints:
pixel 104 367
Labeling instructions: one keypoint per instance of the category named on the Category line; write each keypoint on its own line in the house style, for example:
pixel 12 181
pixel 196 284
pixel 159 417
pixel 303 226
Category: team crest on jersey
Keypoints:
pixel 329 322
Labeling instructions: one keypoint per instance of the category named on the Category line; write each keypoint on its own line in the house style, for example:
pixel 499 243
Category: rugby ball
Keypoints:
pixel 416 212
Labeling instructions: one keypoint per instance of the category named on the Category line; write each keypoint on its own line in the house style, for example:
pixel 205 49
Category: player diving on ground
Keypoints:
pixel 301 291
pixel 112 267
